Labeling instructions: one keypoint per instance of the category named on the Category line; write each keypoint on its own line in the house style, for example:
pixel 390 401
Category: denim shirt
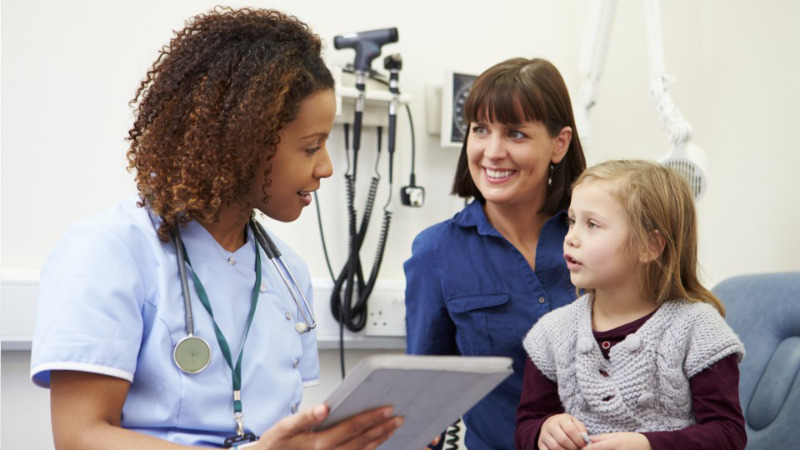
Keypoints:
pixel 471 292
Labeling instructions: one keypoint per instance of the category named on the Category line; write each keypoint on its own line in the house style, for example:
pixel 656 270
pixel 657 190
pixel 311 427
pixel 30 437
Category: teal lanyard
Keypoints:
pixel 236 372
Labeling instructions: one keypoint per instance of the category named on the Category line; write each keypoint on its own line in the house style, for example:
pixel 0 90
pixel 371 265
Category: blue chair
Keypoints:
pixel 764 310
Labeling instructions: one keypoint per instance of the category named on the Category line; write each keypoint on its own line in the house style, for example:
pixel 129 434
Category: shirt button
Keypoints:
pixel 541 299
pixel 288 316
pixel 263 288
pixel 294 408
pixel 295 363
pixel 606 345
pixel 232 261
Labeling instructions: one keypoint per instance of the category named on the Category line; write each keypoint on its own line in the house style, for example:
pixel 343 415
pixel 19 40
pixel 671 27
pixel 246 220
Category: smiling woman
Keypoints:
pixel 477 282
pixel 232 118
pixel 510 164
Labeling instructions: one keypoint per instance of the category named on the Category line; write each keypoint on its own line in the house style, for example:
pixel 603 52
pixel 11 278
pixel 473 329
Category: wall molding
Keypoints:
pixel 19 292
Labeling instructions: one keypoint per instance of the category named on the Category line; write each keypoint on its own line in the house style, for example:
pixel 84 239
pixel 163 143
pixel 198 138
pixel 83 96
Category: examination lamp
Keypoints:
pixel 683 157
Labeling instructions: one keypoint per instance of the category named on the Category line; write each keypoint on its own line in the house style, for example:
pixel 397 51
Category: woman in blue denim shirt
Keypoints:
pixel 477 282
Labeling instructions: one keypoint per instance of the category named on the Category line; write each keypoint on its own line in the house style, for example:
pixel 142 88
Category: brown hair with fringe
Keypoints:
pixel 536 88
pixel 213 104
pixel 657 199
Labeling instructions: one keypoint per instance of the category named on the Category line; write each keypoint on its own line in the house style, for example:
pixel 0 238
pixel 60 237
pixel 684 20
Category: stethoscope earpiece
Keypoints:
pixel 301 327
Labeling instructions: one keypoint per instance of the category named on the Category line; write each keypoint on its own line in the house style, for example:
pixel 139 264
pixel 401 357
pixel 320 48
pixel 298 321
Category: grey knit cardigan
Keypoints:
pixel 644 385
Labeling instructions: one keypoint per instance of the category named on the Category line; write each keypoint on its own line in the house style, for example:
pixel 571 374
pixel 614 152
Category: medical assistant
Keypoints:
pixel 111 303
pixel 471 292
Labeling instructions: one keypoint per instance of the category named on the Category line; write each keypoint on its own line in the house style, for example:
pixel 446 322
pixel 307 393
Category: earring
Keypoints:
pixel 550 177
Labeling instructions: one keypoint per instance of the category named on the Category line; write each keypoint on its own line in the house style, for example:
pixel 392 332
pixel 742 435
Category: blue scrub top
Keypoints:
pixel 471 292
pixel 111 303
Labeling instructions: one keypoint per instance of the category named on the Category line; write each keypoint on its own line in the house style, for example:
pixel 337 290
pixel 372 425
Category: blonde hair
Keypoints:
pixel 657 199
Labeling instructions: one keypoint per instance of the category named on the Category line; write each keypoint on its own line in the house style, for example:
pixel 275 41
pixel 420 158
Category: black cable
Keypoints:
pixel 341 347
pixel 322 237
pixel 413 144
pixel 376 264
pixel 352 276
pixel 339 305
pixel 347 146
pixel 351 225
pixel 353 269
pixel 340 316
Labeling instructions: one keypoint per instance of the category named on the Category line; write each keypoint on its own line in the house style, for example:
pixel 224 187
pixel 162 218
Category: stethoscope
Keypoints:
pixel 192 354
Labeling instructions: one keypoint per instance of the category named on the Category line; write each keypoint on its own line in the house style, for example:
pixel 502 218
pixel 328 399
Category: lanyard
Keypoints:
pixel 236 371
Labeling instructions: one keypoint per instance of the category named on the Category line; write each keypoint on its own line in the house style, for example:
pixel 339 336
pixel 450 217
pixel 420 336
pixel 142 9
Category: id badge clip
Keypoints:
pixel 239 439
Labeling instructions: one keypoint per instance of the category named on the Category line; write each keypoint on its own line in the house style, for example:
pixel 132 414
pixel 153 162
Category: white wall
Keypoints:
pixel 70 68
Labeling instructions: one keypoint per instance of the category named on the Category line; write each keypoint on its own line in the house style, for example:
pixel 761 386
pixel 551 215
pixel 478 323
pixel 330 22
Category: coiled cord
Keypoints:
pixel 451 439
pixel 354 315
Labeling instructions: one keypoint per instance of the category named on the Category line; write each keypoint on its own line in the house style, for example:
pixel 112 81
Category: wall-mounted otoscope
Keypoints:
pixel 367 45
pixel 351 289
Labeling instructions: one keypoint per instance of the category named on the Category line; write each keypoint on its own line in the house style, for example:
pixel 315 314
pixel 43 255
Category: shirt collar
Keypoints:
pixel 473 216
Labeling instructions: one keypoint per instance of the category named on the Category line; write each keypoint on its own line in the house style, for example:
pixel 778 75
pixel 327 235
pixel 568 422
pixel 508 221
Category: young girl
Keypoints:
pixel 644 359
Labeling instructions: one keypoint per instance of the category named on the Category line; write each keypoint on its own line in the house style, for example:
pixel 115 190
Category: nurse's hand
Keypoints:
pixel 365 431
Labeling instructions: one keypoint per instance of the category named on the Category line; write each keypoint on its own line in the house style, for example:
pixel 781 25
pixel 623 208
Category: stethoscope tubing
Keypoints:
pixel 275 256
pixel 187 302
pixel 265 242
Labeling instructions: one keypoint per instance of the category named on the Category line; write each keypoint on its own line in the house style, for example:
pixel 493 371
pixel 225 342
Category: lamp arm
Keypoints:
pixel 678 128
pixel 592 60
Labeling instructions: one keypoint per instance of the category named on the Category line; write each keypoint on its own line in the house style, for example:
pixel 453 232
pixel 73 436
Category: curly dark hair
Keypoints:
pixel 213 104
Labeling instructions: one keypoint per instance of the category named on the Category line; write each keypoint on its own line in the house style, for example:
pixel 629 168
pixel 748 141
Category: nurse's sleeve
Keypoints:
pixel 89 313
pixel 429 329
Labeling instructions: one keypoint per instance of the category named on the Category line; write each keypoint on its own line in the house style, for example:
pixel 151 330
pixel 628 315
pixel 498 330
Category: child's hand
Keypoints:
pixel 562 432
pixel 619 441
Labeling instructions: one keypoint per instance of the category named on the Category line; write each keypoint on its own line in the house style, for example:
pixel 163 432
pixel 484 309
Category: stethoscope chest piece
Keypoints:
pixel 192 354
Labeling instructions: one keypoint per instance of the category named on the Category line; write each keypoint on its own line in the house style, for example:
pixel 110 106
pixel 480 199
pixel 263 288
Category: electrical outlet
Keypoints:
pixel 386 314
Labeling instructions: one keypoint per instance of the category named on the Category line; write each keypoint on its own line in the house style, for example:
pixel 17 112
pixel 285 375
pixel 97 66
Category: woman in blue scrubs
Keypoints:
pixel 232 118
pixel 477 282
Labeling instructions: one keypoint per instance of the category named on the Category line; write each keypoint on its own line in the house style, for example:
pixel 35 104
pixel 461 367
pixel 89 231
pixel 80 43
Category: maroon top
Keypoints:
pixel 715 403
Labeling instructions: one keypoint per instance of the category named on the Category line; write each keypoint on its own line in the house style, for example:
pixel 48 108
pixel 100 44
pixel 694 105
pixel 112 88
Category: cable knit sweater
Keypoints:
pixel 644 385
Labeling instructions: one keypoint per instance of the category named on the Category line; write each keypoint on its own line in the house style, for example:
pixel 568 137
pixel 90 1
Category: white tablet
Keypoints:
pixel 430 392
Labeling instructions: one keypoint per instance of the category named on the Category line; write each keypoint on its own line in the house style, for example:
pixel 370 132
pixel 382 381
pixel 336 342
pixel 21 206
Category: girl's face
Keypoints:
pixel 596 247
pixel 301 160
pixel 510 163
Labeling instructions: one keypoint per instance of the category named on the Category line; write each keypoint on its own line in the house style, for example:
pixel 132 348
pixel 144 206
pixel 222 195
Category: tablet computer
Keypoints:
pixel 430 392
